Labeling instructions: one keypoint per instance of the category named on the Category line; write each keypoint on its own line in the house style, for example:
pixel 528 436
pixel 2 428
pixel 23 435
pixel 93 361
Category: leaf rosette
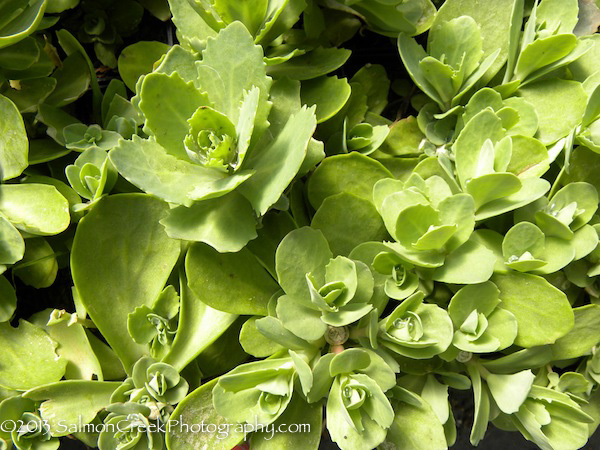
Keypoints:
pixel 92 175
pixel 323 293
pixel 551 419
pixel 569 210
pixel 432 226
pixel 415 329
pixel 128 426
pixel 80 137
pixel 355 382
pixel 548 43
pixel 424 215
pixel 257 392
pixel 481 324
pixel 155 385
pixel 156 326
pixel 24 427
pixel 401 280
pixel 483 164
pixel 453 63
pixel 216 142
pixel 364 138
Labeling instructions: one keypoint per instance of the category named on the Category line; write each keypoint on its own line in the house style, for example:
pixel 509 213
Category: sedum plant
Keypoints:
pixel 248 223
pixel 221 147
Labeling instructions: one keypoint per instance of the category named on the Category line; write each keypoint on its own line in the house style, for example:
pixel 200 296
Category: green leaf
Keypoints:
pixel 167 115
pixel 493 186
pixel 29 359
pixel 199 326
pixel 39 266
pixel 138 59
pixel 31 93
pixel 459 40
pixel 389 19
pixel 181 61
pixel 363 224
pixel 198 407
pixel 494 35
pixel 146 164
pixel 190 26
pixel 231 282
pixel 531 190
pixel 58 6
pixel 481 297
pixel 510 391
pixel 524 238
pixel 8 299
pixel 301 318
pixel 273 329
pixel 584 167
pixel 412 54
pixel 533 357
pixel 71 45
pixel 226 223
pixel 415 426
pixel 255 343
pixel 558 16
pixel 20 56
pixel 232 64
pixel 277 165
pixel 285 96
pixel 582 338
pixel 544 96
pixel 297 413
pixel 315 63
pixel 67 405
pixel 469 146
pixel 73 344
pixel 301 252
pixel 20 20
pixel 529 157
pixel 72 81
pixel 330 94
pixel 470 263
pixel 56 120
pixel 353 173
pixel 121 259
pixel 12 246
pixel 482 406
pixel 35 208
pixel 543 312
pixel 543 52
pixel 13 140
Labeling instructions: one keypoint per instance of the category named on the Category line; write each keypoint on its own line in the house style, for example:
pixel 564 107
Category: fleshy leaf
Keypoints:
pixel 167 115
pixel 13 141
pixel 133 256
pixel 29 359
pixel 145 163
pixel 217 278
pixel 542 311
pixel 226 223
pixel 277 165
pixel 35 208
pixel 68 404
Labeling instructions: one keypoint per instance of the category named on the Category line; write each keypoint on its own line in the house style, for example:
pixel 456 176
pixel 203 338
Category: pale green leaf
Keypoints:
pixel 121 259
pixel 28 359
pixel 232 282
pixel 13 140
